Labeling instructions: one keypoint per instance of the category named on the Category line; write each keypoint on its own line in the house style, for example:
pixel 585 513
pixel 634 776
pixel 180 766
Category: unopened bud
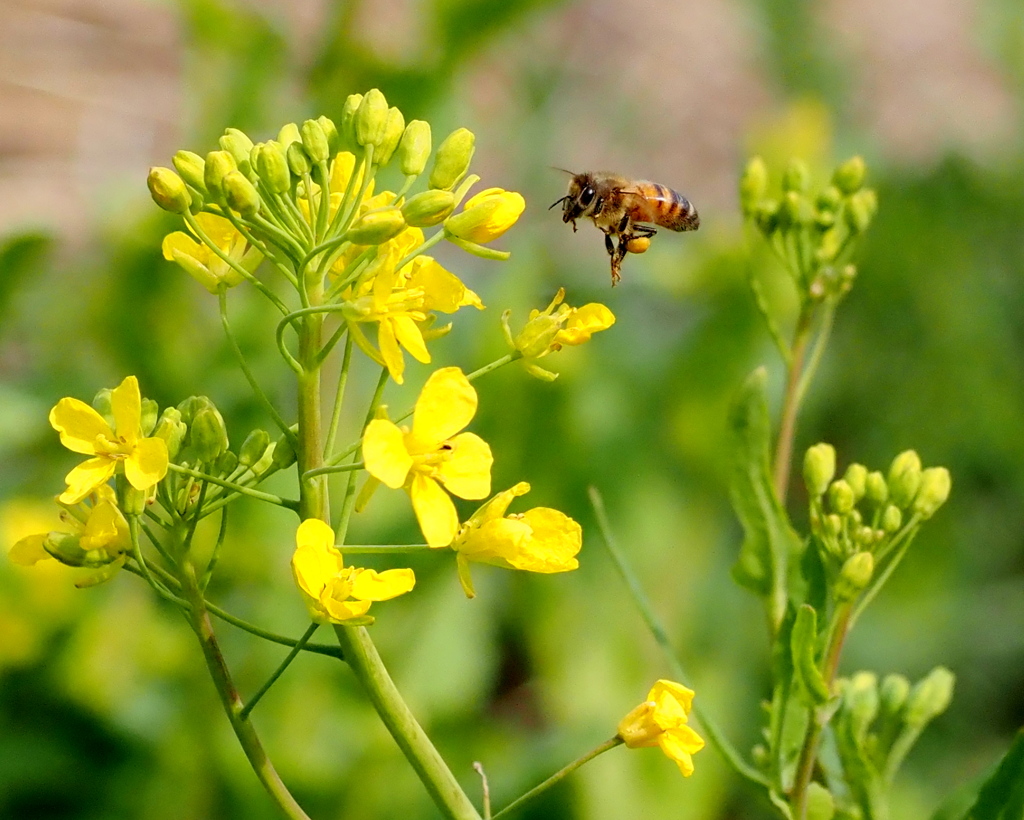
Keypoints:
pixel 840 497
pixel 298 159
pixel 819 468
pixel 371 118
pixel 795 209
pixel 929 697
pixel 820 803
pixel 284 453
pixel 833 525
pixel 240 194
pixel 394 127
pixel 191 167
pixel 797 176
pixel 849 177
pixel 314 140
pixel 347 123
pixel 226 463
pixel 218 165
pixel 168 190
pixel 208 434
pixel 331 132
pixel 904 478
pixel 875 489
pixel 172 430
pixel 414 148
pixel 375 227
pixel 856 476
pixel 147 418
pixel 861 700
pixel 753 185
pixel 766 216
pixel 428 208
pixel 452 159
pixel 829 199
pixel 253 448
pixel 272 167
pixel 933 492
pixel 855 575
pixel 288 134
pixel 66 548
pixel 861 210
pixel 892 518
pixel 893 693
pixel 238 144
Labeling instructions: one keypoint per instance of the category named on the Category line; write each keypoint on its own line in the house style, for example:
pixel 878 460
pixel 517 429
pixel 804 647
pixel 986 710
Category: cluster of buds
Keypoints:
pixel 859 518
pixel 814 234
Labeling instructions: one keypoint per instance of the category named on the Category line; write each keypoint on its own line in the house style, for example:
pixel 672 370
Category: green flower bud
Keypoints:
pixel 829 199
pixel 767 216
pixel 66 547
pixel 856 476
pixel 861 701
pixel 414 148
pixel 855 575
pixel 191 167
pixel 824 220
pixel 314 140
pixel 347 123
pixel 893 693
pixel 394 127
pixel 253 448
pixel 828 246
pixel 929 697
pixel 226 463
pixel 238 144
pixel 147 420
pixel 284 453
pixel 172 430
pixel 753 185
pixel 288 134
pixel 892 518
pixel 452 159
pixel 933 492
pixel 375 227
pixel 795 209
pixel 904 478
pixel 208 434
pixel 168 190
pixel 840 497
pixel 849 177
pixel 272 166
pixel 833 525
pixel 331 132
pixel 298 159
pixel 371 118
pixel 861 210
pixel 240 194
pixel 819 468
pixel 218 165
pixel 797 176
pixel 821 805
pixel 428 208
pixel 875 489
pixel 190 406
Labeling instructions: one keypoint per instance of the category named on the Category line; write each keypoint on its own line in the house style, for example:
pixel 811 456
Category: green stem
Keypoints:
pixel 335 468
pixel 791 403
pixel 299 645
pixel 339 397
pixel 487 368
pixel 820 342
pixel 288 503
pixel 559 776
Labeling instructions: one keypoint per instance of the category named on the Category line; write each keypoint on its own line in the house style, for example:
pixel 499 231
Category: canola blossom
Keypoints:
pixel 333 592
pixel 433 458
pixel 201 262
pixel 662 720
pixel 486 216
pixel 83 430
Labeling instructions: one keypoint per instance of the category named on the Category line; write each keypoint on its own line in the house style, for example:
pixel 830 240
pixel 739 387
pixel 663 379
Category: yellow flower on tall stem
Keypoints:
pixel 202 262
pixel 433 457
pixel 83 430
pixel 662 720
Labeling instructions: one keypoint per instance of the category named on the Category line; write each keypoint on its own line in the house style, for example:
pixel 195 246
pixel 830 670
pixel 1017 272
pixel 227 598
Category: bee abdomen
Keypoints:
pixel 676 212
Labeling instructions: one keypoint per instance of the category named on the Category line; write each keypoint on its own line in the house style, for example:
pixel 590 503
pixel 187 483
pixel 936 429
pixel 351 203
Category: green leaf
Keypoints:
pixel 770 543
pixel 1001 796
pixel 803 644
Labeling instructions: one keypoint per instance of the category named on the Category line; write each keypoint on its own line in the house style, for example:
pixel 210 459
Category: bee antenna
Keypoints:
pixel 563 170
pixel 558 201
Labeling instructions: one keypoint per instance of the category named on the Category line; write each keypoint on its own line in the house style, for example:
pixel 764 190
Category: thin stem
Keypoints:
pixel 820 342
pixel 336 468
pixel 339 398
pixel 212 563
pixel 161 590
pixel 791 403
pixel 487 368
pixel 288 503
pixel 349 501
pixel 244 714
pixel 559 776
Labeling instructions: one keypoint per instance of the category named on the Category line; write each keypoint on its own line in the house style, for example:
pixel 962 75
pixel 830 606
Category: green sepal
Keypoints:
pixel 821 805
pixel 803 644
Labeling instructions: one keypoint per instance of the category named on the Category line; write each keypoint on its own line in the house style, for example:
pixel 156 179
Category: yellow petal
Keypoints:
pixel 667 692
pixel 369 585
pixel 487 215
pixel 494 542
pixel 103 528
pixel 496 506
pixel 584 323
pixel 446 404
pixel 28 551
pixel 340 611
pixel 442 290
pixel 315 561
pixel 384 453
pixel 126 407
pixel 147 464
pixel 180 243
pixel 85 478
pixel 555 540
pixel 410 337
pixel 434 510
pixel 79 425
pixel 220 230
pixel 679 744
pixel 390 350
pixel 465 578
pixel 467 470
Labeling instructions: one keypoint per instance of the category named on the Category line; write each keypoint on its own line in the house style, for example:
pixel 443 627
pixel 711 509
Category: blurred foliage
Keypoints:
pixel 105 710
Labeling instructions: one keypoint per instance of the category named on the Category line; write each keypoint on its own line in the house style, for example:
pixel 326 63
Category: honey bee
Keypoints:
pixel 625 210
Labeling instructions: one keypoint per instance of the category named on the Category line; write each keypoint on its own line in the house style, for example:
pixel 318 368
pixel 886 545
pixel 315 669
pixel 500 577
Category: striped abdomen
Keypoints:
pixel 660 205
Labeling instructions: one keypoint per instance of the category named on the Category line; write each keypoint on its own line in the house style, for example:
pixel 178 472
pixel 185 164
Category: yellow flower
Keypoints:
pixel 539 540
pixel 486 216
pixel 200 261
pixel 333 592
pixel 430 458
pixel 83 430
pixel 548 330
pixel 661 720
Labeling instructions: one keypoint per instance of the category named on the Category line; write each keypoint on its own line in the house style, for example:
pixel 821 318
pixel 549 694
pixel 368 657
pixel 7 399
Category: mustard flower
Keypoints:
pixel 547 331
pixel 202 263
pixel 433 456
pixel 486 216
pixel 83 430
pixel 333 592
pixel 539 540
pixel 662 720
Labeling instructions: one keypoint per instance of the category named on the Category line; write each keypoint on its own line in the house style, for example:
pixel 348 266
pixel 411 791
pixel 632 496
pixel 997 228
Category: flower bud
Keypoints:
pixel 147 417
pixel 371 118
pixel 226 463
pixel 168 190
pixel 272 166
pixel 253 448
pixel 892 518
pixel 298 159
pixel 840 497
pixel 819 468
pixel 824 220
pixel 829 199
pixel 933 492
pixel 240 194
pixel 452 159
pixel 861 210
pixel 347 123
pixel 766 216
pixel 66 548
pixel 314 140
pixel 414 148
pixel 238 144
pixel 394 127
pixel 854 576
pixel 428 208
pixel 375 227
pixel 331 132
pixel 893 693
pixel 172 430
pixel 190 166
pixel 875 489
pixel 795 209
pixel 849 177
pixel 821 805
pixel 486 216
pixel 284 453
pixel 833 525
pixel 929 697
pixel 904 478
pixel 208 434
pixel 218 165
pixel 797 176
pixel 861 700
pixel 856 476
pixel 288 134
pixel 753 185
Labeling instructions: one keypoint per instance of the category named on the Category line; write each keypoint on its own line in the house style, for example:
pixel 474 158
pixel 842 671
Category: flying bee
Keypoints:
pixel 625 210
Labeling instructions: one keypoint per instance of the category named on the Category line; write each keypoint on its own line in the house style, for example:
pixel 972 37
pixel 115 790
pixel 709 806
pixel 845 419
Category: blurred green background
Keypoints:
pixel 105 708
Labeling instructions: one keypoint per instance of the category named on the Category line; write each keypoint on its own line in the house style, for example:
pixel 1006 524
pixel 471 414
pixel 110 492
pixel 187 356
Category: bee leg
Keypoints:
pixel 643 231
pixel 618 254
pixel 609 245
